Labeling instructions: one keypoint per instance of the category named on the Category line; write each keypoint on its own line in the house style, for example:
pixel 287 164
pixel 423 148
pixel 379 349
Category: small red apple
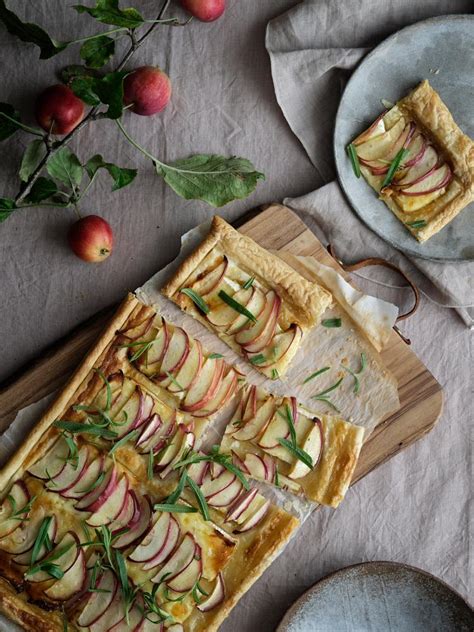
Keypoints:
pixel 58 109
pixel 91 238
pixel 204 10
pixel 147 89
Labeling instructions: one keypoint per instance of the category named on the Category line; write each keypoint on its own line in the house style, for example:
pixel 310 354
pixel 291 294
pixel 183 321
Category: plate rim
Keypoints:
pixel 283 625
pixel 346 187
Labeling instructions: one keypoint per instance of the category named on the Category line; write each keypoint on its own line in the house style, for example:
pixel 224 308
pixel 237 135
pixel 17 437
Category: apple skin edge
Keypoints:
pixel 147 90
pixel 204 10
pixel 91 239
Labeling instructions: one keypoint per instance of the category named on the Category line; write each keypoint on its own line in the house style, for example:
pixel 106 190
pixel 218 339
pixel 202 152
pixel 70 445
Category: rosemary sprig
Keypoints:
pixel 394 165
pixel 201 501
pixel 174 380
pixel 300 454
pixel 19 514
pixel 420 223
pixel 275 374
pixel 215 457
pixel 47 564
pixel 196 299
pixel 351 150
pixel 42 539
pixel 331 322
pixel 258 359
pixel 328 402
pixel 176 494
pixel 75 427
pixel 238 307
pixel 248 283
pixel 329 389
pixel 133 434
pixel 316 373
pixel 355 374
pixel 215 356
pixel 176 508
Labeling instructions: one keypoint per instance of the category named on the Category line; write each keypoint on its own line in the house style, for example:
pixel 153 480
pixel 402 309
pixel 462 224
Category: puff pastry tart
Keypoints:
pixel 419 161
pixel 109 523
pixel 276 440
pixel 252 299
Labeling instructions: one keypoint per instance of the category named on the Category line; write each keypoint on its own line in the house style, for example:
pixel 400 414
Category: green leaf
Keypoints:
pixel 41 538
pixel 331 322
pixel 316 373
pixel 68 73
pixel 215 356
pixel 97 52
pixel 394 166
pixel 77 428
pixel 248 283
pixel 28 32
pixel 121 176
pixel 133 434
pixel 31 159
pixel 420 223
pixel 196 299
pixel 42 189
pixel 65 167
pixel 175 495
pixel 351 150
pixel 7 126
pixel 108 12
pixel 329 390
pixel 231 302
pixel 7 206
pixel 300 454
pixel 176 508
pixel 201 501
pixel 214 179
pixel 107 89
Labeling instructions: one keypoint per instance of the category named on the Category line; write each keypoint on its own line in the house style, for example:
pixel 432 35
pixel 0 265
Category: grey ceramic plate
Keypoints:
pixel 379 597
pixel 442 51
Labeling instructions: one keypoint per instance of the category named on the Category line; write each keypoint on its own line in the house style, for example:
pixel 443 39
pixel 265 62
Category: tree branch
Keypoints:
pixel 91 115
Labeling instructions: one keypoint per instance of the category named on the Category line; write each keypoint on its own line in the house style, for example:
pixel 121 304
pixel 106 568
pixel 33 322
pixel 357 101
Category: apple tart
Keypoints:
pixel 419 161
pixel 276 440
pixel 91 540
pixel 249 297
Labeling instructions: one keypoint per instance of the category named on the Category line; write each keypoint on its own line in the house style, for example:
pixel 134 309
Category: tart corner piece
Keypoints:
pixel 249 297
pixel 419 161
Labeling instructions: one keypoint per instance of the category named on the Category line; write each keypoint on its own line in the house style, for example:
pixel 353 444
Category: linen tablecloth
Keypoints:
pixel 415 508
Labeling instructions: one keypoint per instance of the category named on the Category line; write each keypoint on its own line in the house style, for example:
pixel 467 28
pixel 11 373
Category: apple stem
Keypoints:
pixel 28 129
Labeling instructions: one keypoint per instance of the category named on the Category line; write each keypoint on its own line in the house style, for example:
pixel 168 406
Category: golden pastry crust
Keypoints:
pixel 30 617
pixel 424 107
pixel 306 300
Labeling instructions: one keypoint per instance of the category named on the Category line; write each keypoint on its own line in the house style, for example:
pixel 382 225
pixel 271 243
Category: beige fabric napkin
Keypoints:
pixel 313 49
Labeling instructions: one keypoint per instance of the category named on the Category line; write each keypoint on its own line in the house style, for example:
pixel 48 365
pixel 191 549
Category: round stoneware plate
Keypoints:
pixel 379 597
pixel 442 51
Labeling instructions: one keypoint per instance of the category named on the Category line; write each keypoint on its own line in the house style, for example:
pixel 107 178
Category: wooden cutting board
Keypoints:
pixel 278 228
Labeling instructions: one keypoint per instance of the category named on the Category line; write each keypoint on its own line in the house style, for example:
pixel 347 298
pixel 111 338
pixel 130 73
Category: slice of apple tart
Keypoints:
pixel 252 299
pixel 419 161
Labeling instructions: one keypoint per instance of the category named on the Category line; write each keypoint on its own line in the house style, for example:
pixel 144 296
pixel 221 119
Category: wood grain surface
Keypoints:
pixel 275 227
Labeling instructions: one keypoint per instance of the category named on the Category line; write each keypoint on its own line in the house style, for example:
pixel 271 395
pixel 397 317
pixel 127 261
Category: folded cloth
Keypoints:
pixel 313 49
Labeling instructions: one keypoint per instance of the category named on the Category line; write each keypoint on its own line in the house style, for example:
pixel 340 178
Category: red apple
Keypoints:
pixel 147 89
pixel 58 110
pixel 91 238
pixel 204 10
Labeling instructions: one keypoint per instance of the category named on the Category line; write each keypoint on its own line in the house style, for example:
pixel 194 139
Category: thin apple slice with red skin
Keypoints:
pixel 68 547
pixel 256 466
pixel 254 520
pixel 150 626
pixel 187 444
pixel 134 618
pixel 26 549
pixel 255 306
pixel 190 369
pixel 212 486
pixel 127 391
pixel 167 546
pixel 278 428
pixel 215 598
pixel 111 616
pixel 20 497
pixel 152 426
pixel 88 477
pixel 53 461
pixel 256 425
pixel 23 538
pixel 138 524
pixel 160 437
pixel 115 384
pixel 111 508
pixel 378 147
pixel 312 445
pixel 250 406
pixel 181 557
pixel 258 335
pixel 210 280
pixel 124 517
pixel 237 461
pixel 98 602
pixel 139 330
pixel 227 496
pixel 415 151
pixel 215 470
pixel 226 391
pixel 73 581
pixel 155 354
pixel 205 387
pixel 241 504
pixel 93 500
pixel 424 167
pixel 381 166
pixel 154 541
pixel 222 316
pixel 197 471
pixel 185 581
pixel 376 129
pixel 281 344
pixel 71 473
pixel 176 353
pixel 129 414
pixel 435 181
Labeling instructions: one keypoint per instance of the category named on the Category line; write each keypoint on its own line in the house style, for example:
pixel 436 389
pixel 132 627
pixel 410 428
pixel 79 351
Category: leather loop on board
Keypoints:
pixel 376 261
